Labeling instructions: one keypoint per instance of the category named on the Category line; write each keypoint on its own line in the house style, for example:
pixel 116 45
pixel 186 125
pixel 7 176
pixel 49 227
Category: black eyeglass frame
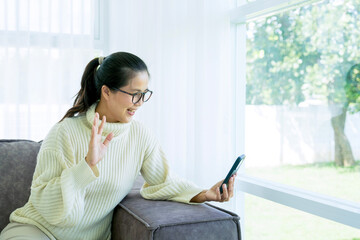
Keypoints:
pixel 134 94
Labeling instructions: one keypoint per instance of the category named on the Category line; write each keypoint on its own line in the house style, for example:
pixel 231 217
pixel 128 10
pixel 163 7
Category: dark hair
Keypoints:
pixel 115 71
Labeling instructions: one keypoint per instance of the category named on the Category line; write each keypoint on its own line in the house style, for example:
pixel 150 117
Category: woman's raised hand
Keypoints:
pixel 97 148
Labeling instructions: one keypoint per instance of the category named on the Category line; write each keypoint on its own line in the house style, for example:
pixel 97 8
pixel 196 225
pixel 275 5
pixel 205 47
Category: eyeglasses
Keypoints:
pixel 136 97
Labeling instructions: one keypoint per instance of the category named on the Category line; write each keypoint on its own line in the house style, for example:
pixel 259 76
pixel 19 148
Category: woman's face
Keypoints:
pixel 119 105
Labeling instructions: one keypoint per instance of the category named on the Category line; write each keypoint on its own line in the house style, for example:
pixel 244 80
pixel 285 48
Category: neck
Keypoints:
pixel 101 108
pixel 116 128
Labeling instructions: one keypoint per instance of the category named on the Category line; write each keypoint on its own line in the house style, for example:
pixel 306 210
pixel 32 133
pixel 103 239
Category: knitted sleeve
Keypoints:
pixel 59 182
pixel 159 183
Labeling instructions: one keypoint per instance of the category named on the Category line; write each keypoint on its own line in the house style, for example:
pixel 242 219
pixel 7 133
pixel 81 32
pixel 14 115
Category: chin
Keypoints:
pixel 125 120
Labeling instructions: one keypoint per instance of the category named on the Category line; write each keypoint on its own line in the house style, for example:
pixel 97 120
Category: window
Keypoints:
pixel 302 105
pixel 302 88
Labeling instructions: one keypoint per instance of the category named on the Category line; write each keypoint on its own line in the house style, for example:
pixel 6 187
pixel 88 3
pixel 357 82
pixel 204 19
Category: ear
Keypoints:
pixel 105 91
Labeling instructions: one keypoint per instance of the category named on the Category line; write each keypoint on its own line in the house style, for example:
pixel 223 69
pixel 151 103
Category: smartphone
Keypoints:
pixel 235 167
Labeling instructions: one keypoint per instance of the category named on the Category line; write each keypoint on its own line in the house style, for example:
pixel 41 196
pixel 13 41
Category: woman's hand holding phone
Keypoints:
pixel 223 190
pixel 213 194
pixel 228 191
pixel 235 167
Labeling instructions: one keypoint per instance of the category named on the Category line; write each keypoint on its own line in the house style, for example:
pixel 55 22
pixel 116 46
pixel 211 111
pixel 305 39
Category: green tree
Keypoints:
pixel 343 152
pixel 304 54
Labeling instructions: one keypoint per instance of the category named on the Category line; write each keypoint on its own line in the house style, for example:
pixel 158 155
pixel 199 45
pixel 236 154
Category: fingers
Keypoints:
pixel 108 139
pixel 96 119
pixel 98 130
pixel 225 195
pixel 231 187
pixel 221 197
pixel 102 125
pixel 218 195
pixel 94 128
pixel 228 191
pixel 93 131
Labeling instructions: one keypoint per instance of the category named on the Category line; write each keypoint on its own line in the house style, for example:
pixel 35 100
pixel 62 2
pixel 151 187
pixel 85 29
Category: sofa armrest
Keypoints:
pixel 138 218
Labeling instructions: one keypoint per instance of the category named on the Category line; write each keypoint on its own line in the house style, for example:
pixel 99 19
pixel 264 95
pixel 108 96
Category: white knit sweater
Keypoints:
pixel 69 201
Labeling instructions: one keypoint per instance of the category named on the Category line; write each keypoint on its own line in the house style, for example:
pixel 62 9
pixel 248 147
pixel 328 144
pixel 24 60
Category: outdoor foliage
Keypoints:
pixel 305 56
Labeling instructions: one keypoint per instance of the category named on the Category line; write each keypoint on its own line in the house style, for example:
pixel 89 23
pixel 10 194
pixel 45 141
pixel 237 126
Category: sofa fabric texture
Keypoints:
pixel 17 165
pixel 134 218
pixel 171 220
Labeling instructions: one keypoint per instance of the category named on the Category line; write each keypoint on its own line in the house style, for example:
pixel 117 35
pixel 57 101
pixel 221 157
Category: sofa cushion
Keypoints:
pixel 138 218
pixel 17 165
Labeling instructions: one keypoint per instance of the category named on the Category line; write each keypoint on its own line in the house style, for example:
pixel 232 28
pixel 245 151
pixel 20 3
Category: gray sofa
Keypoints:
pixel 134 217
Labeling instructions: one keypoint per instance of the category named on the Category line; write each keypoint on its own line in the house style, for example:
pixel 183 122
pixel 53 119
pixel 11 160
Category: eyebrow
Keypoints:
pixel 139 90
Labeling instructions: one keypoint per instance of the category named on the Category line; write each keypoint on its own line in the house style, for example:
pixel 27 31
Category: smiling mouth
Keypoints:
pixel 131 111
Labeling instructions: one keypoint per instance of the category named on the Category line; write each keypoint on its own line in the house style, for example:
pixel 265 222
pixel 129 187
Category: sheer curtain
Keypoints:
pixel 188 45
pixel 188 48
pixel 44 47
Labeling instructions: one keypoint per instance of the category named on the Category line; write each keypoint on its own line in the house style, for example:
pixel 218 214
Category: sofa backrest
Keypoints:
pixel 17 165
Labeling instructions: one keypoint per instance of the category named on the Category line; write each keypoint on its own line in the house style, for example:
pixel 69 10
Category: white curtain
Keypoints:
pixel 44 48
pixel 187 46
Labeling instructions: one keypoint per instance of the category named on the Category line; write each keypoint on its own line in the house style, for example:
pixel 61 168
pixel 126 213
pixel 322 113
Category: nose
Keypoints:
pixel 139 103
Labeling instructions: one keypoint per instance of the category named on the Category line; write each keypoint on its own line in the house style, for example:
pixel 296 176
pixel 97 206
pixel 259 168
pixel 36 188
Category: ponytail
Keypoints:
pixel 88 94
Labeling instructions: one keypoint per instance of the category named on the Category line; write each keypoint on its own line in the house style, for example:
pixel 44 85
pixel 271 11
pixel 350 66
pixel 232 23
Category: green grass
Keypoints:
pixel 269 220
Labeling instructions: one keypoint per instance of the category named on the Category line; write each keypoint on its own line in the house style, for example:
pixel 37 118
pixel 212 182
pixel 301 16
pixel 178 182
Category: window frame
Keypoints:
pixel 331 208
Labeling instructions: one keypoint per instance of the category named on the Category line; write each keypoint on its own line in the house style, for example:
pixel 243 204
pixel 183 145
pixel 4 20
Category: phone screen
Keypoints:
pixel 235 167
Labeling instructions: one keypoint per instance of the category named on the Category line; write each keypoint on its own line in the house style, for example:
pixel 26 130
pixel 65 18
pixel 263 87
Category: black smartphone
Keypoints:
pixel 235 167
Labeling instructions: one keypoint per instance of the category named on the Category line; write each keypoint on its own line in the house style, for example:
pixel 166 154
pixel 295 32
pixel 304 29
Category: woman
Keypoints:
pixel 77 184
